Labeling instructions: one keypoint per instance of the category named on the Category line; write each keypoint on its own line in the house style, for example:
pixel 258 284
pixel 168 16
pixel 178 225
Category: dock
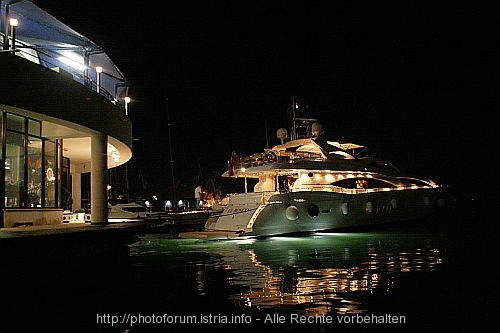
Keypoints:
pixel 25 245
pixel 209 235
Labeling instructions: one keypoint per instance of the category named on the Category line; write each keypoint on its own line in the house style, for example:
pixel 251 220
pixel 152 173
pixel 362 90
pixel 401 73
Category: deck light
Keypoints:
pixel 13 23
pixel 98 71
pixel 127 100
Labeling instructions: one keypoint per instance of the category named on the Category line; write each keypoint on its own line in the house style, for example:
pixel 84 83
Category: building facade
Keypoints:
pixel 63 114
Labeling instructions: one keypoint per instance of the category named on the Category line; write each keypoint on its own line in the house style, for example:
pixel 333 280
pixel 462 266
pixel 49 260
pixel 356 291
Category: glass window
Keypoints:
pixel 65 193
pixel 34 127
pixel 14 170
pixel 1 137
pixel 1 123
pixel 15 122
pixel 32 167
pixel 35 172
pixel 59 161
pixel 51 172
pixel 366 183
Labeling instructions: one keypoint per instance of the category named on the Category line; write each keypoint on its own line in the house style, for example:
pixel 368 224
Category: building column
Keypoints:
pixel 98 185
pixel 76 190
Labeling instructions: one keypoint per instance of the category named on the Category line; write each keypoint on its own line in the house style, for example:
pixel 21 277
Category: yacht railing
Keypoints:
pixel 338 189
pixel 270 157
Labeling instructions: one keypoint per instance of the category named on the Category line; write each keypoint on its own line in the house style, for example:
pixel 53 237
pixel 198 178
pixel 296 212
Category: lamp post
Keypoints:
pixel 98 71
pixel 127 100
pixel 13 23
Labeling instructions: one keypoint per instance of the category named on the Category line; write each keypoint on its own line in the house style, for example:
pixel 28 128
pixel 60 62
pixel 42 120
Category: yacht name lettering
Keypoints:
pixel 236 210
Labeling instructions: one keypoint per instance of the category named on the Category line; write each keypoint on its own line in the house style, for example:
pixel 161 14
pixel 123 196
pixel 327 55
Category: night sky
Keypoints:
pixel 413 81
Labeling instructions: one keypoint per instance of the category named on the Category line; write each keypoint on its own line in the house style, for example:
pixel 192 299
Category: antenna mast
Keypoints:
pixel 294 127
pixel 301 127
pixel 171 152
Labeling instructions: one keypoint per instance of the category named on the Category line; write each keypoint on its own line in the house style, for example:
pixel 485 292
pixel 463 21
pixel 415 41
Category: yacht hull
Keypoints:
pixel 306 212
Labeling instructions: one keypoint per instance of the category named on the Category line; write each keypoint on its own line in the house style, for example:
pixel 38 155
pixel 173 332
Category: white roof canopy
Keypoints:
pixel 41 35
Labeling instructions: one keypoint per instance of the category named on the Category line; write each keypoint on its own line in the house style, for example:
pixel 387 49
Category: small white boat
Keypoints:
pixel 305 185
pixel 134 211
pixel 131 211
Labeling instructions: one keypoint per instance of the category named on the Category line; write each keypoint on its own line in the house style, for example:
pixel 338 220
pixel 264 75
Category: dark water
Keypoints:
pixel 437 273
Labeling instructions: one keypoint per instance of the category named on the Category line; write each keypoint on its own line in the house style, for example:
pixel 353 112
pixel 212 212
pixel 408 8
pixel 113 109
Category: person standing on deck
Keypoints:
pixel 197 195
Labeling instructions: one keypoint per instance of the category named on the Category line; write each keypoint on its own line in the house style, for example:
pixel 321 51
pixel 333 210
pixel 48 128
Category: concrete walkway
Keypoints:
pixel 72 228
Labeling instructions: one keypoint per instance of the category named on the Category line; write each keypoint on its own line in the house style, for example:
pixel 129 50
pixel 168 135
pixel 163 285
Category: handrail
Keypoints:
pixel 270 157
pixel 22 50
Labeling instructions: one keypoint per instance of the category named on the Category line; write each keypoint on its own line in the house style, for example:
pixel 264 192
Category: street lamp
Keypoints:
pixel 13 23
pixel 98 71
pixel 127 100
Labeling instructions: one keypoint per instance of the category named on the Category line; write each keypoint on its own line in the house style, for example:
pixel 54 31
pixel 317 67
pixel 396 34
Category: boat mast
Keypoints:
pixel 267 139
pixel 126 183
pixel 171 153
pixel 294 128
pixel 301 125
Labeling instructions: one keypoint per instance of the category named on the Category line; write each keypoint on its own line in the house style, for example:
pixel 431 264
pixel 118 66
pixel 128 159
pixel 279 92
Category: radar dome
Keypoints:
pixel 282 133
pixel 317 127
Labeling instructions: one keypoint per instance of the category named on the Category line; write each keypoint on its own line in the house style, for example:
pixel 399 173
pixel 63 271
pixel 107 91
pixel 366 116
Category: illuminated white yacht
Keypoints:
pixel 305 185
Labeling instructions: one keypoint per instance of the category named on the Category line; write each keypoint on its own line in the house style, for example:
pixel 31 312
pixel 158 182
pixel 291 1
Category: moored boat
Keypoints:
pixel 134 211
pixel 311 183
pixel 124 211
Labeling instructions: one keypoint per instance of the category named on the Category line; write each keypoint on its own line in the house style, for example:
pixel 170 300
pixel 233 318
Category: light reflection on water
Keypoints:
pixel 435 274
pixel 314 275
